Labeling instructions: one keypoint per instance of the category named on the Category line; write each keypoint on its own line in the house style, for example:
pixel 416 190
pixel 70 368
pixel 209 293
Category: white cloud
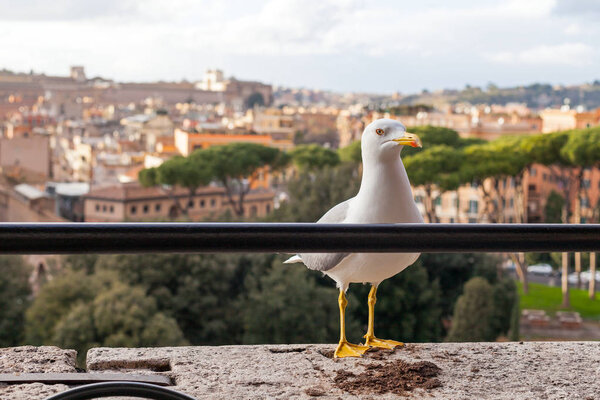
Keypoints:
pixel 574 54
pixel 155 39
pixel 573 29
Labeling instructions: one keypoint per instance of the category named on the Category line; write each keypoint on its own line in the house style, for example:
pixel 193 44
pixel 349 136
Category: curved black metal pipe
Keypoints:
pixel 131 389
pixel 66 238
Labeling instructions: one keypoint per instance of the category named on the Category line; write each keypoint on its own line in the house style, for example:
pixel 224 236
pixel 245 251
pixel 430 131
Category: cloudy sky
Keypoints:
pixel 343 45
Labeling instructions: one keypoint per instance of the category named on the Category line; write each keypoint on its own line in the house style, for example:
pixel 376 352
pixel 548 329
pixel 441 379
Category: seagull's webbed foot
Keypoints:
pixel 372 341
pixel 345 349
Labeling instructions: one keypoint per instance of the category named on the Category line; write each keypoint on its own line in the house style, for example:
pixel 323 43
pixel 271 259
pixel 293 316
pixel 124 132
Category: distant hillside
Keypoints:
pixel 535 96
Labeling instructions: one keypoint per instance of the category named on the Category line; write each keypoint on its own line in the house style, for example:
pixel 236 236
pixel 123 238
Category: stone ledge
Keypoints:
pixel 31 359
pixel 531 370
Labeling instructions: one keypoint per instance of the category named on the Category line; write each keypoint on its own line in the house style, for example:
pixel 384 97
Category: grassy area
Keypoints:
pixel 542 297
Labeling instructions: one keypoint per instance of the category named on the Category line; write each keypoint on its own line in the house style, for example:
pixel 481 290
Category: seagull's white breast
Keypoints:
pixel 385 197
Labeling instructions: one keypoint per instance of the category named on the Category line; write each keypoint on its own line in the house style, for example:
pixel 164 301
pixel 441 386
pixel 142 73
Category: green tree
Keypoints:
pixel 310 157
pixel 200 291
pixel 452 270
pixel 351 153
pixel 80 262
pixel 504 295
pixel 236 166
pixel 582 150
pixel 408 307
pixel 489 165
pixel 312 194
pixel 122 316
pixel 553 208
pixel 286 305
pixel 473 314
pixel 485 311
pixel 434 168
pixel 432 136
pixel 53 302
pixel 547 150
pixel 186 172
pixel 492 166
pixel 14 299
pixel 79 311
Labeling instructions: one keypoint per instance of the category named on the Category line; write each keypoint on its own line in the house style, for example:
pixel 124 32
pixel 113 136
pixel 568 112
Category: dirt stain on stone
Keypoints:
pixel 379 354
pixel 398 377
pixel 287 349
pixel 327 353
pixel 315 392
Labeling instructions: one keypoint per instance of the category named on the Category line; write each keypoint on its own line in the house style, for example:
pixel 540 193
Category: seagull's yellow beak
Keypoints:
pixel 409 139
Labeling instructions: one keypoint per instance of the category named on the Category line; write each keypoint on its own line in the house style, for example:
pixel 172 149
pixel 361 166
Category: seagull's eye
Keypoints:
pixel 379 131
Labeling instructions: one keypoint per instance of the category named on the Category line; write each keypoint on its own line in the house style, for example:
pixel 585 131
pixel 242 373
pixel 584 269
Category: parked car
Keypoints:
pixel 585 277
pixel 540 269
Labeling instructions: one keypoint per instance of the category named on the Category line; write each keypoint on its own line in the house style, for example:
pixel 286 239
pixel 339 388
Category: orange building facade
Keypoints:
pixel 132 202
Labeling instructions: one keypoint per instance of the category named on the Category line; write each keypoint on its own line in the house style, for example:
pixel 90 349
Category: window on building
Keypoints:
pixel 473 206
pixel 585 202
pixel 438 201
pixel 532 188
pixel 97 207
pixel 451 220
pixel 511 203
pixel 253 211
pixel 586 183
pixel 133 209
pixel 213 202
pixel 111 209
pixel 146 208
pixel 191 203
pixel 104 208
pixel 157 207
pixel 202 203
pixel 544 176
pixel 532 171
pixel 268 208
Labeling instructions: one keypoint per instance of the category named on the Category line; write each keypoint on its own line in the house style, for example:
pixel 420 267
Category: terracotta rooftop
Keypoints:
pixel 134 191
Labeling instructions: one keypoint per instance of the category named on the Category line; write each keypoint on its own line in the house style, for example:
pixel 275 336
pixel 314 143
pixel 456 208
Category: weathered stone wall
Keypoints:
pixel 530 370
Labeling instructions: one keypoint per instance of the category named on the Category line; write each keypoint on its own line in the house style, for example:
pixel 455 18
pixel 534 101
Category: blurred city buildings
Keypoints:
pixel 71 147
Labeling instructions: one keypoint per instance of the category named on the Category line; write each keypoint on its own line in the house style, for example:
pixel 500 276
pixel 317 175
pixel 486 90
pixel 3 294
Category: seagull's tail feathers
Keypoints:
pixel 293 259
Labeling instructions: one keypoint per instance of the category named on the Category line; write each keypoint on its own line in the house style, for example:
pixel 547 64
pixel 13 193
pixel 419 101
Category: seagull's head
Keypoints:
pixel 383 139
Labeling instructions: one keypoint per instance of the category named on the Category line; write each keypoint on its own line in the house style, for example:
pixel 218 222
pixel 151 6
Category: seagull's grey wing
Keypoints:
pixel 337 214
pixel 326 261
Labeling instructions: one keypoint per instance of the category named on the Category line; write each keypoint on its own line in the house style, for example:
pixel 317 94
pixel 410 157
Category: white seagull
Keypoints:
pixel 385 196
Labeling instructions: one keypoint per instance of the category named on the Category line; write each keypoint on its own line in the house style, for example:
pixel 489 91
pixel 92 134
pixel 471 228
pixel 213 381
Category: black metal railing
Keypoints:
pixel 72 238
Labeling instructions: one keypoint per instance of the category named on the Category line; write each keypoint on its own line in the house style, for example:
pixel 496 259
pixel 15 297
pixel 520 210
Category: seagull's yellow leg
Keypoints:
pixel 370 339
pixel 345 349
